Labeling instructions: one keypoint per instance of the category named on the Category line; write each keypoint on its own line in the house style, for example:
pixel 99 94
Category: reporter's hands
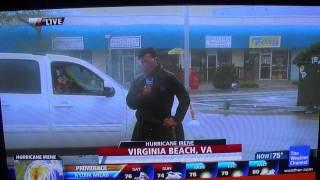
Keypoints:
pixel 146 90
pixel 169 122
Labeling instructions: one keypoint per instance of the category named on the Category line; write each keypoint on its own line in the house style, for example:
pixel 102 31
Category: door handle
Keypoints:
pixel 5 105
pixel 63 106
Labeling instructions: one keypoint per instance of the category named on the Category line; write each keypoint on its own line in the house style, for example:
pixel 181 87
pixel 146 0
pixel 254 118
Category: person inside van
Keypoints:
pixel 61 85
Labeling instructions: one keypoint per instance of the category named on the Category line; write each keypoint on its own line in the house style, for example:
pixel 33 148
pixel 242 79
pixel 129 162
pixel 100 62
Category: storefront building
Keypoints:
pixel 258 53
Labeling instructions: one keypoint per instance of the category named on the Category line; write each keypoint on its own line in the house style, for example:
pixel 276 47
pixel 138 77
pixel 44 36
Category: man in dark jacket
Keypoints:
pixel 152 95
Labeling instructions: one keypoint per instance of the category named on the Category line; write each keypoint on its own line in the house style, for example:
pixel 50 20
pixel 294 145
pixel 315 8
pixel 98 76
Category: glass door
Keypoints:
pixel 116 70
pixel 123 68
pixel 128 69
pixel 211 66
pixel 265 66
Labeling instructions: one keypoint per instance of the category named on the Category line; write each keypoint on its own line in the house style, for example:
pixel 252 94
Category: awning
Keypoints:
pixel 21 38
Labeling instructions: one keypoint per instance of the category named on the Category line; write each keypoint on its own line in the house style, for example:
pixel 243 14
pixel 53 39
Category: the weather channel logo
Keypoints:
pixel 46 21
pixel 299 156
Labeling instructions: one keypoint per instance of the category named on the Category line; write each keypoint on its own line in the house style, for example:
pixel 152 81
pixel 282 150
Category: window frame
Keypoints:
pixel 37 67
pixel 78 65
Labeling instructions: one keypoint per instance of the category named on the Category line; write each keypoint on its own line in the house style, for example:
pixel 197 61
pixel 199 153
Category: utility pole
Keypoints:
pixel 109 60
pixel 186 48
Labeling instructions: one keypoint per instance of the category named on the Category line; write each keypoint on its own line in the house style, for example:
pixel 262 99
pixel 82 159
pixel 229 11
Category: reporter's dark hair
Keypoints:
pixel 150 51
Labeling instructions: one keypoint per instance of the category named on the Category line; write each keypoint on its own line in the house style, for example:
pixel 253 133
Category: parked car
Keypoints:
pixel 56 101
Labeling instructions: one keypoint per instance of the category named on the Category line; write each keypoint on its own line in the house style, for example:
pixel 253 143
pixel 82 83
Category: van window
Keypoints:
pixel 19 76
pixel 70 78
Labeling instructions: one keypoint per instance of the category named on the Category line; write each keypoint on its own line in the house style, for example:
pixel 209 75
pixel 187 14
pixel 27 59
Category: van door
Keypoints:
pixel 83 115
pixel 25 107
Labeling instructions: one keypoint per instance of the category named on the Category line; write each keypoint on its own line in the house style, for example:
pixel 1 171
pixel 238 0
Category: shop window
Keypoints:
pixel 280 64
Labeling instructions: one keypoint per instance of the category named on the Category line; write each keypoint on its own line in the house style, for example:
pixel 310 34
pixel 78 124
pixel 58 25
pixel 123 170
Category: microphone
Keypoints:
pixel 149 81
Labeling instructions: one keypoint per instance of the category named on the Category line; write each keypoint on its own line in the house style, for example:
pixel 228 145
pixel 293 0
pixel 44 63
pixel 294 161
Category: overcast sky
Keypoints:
pixel 199 15
pixel 220 11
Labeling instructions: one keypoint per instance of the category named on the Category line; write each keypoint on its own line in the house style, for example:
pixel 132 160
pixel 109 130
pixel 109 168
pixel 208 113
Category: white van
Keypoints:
pixel 55 101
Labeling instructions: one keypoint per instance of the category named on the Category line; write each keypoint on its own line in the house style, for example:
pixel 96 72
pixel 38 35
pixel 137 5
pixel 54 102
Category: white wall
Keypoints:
pixel 99 59
pixel 238 57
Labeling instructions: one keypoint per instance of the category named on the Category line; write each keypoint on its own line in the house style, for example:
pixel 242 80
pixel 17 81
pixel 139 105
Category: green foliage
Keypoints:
pixel 12 17
pixel 295 82
pixel 224 76
pixel 22 17
pixel 248 84
pixel 305 55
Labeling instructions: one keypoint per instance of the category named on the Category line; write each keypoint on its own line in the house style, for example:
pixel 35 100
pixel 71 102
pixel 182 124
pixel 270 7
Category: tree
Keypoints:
pixel 224 76
pixel 16 17
pixel 22 17
pixel 309 88
pixel 305 55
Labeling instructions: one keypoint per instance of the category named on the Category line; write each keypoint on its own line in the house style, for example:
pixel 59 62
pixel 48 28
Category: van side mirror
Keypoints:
pixel 108 91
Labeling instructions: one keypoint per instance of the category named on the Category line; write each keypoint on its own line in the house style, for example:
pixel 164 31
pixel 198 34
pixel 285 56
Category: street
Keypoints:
pixel 249 101
pixel 260 121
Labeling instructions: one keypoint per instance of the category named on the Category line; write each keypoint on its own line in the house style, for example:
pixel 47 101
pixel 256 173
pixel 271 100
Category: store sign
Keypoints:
pixel 125 42
pixel 264 41
pixel 67 43
pixel 218 41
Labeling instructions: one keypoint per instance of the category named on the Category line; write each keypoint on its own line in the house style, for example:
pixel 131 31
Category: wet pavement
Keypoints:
pixel 260 121
pixel 249 101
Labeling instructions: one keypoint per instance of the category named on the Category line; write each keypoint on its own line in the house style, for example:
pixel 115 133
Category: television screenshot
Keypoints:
pixel 161 92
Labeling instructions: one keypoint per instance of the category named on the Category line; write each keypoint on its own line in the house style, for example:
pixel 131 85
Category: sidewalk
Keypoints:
pixel 264 86
pixel 270 96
